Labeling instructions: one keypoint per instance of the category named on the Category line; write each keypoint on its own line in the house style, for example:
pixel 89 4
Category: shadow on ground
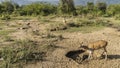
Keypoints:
pixel 112 56
pixel 79 56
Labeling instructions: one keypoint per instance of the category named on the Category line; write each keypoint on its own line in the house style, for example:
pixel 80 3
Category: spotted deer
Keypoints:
pixel 100 44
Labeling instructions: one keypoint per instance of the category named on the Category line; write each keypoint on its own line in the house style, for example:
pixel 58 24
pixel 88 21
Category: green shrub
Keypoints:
pixel 97 22
pixel 28 50
pixel 21 50
pixel 82 10
pixel 67 7
pixel 15 13
pixel 117 17
pixel 8 6
pixel 90 6
pixel 101 6
pixel 6 17
pixel 8 55
pixel 113 10
pixel 38 9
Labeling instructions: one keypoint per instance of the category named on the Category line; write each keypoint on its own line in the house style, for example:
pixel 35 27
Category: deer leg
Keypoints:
pixel 105 52
pixel 90 54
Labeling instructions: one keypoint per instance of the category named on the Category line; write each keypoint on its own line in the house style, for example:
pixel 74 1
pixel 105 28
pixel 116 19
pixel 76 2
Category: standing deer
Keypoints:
pixel 101 44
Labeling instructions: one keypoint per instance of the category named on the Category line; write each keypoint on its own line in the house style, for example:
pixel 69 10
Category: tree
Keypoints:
pixel 16 6
pixel 7 6
pixel 113 9
pixel 90 5
pixel 101 6
pixel 38 9
pixel 1 8
pixel 67 6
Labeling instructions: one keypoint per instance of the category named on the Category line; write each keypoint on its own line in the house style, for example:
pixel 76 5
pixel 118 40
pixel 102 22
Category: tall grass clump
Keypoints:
pixel 25 51
pixel 21 51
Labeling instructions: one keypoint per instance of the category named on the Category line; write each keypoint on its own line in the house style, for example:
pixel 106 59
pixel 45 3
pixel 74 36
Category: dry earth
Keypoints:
pixel 72 41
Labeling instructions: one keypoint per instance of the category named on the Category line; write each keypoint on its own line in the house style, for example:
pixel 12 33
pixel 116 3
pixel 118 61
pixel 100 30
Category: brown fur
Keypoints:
pixel 98 44
pixel 95 46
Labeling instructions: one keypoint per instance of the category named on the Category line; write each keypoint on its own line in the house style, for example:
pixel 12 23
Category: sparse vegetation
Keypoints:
pixel 8 38
pixel 24 51
pixel 36 32
pixel 58 26
pixel 5 32
pixel 6 17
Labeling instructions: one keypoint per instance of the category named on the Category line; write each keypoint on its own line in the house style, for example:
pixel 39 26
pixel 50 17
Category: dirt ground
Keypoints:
pixel 71 43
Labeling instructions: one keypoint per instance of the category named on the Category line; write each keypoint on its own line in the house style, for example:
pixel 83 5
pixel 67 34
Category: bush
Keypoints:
pixel 82 10
pixel 55 27
pixel 117 17
pixel 90 6
pixel 8 6
pixel 28 50
pixel 22 50
pixel 101 6
pixel 38 9
pixel 15 13
pixel 113 9
pixel 67 7
pixel 6 17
